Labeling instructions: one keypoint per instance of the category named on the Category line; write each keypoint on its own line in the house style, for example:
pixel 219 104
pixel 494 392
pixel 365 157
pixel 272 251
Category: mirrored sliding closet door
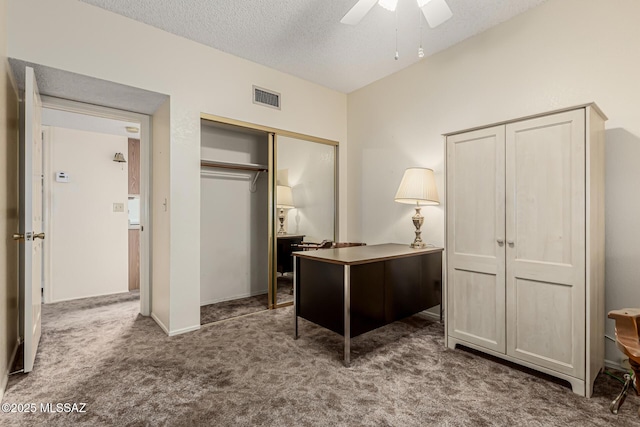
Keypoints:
pixel 305 203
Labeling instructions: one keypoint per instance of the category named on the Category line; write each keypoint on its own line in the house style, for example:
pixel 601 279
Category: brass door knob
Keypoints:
pixel 38 236
pixel 18 237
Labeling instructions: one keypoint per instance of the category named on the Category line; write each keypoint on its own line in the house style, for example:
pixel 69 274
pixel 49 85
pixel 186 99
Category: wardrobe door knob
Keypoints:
pixel 510 242
pixel 500 241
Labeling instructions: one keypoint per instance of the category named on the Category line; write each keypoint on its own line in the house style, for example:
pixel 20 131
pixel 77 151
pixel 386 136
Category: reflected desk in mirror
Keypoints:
pixel 284 250
pixel 357 289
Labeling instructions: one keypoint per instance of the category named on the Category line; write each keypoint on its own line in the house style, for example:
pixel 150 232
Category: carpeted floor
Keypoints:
pixel 285 289
pixel 249 371
pixel 243 306
pixel 234 308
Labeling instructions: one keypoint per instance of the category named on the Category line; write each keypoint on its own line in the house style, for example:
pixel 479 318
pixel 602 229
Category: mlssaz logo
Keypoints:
pixel 63 407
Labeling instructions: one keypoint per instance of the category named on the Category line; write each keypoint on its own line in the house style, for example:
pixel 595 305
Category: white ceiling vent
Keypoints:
pixel 266 97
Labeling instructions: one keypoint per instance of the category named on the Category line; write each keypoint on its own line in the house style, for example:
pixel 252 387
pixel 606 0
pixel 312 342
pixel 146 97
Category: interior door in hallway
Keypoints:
pixel 31 219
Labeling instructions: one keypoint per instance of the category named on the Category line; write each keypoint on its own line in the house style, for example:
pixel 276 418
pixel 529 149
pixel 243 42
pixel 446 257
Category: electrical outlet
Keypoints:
pixel 118 207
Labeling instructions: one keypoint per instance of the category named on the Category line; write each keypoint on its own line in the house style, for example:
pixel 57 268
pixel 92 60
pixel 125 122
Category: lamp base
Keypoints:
pixel 281 231
pixel 418 220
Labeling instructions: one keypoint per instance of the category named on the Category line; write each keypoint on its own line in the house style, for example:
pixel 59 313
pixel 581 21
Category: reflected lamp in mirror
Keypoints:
pixel 418 187
pixel 284 200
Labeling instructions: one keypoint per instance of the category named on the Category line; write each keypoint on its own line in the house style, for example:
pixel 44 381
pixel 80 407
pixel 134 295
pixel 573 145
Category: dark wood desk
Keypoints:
pixel 358 289
pixel 284 250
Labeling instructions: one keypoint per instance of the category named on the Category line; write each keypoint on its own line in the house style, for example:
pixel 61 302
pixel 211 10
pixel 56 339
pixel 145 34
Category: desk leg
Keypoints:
pixel 295 300
pixel 347 315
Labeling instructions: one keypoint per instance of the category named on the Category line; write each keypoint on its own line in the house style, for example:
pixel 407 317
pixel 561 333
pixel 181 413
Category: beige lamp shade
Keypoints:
pixel 284 198
pixel 418 187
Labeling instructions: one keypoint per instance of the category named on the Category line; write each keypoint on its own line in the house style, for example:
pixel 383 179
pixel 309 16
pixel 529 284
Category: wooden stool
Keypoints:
pixel 628 341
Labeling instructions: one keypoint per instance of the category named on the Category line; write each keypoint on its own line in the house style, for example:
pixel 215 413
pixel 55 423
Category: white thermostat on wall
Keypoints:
pixel 62 177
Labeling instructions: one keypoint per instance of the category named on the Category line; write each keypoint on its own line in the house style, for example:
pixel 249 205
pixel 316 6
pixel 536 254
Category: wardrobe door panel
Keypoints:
pixel 475 237
pixel 540 331
pixel 476 299
pixel 545 232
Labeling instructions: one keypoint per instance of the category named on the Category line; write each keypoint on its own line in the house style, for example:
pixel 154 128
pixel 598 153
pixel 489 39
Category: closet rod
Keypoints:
pixel 238 166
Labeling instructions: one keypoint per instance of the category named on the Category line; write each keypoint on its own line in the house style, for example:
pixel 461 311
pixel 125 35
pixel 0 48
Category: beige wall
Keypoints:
pixel 88 40
pixel 87 242
pixel 161 238
pixel 8 210
pixel 562 53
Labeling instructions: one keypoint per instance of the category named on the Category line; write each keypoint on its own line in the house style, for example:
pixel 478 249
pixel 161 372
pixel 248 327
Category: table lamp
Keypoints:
pixel 284 200
pixel 418 187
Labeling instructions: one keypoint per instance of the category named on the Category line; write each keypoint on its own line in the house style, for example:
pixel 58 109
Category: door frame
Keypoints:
pixel 30 115
pixel 145 189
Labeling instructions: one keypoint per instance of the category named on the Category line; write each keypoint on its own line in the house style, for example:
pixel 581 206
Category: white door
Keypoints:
pixel 545 160
pixel 475 237
pixel 31 219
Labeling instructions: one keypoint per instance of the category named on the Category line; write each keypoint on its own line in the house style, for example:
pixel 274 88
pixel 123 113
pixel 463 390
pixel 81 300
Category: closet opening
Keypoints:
pixel 234 221
pixel 264 192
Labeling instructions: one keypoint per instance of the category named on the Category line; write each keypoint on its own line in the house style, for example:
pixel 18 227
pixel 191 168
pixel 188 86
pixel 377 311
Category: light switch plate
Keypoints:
pixel 62 177
pixel 118 207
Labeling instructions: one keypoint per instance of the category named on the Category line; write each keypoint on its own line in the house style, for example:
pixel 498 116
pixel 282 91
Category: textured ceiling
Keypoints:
pixel 77 87
pixel 306 39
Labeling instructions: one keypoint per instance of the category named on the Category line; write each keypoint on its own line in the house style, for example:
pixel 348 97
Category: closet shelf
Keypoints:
pixel 239 166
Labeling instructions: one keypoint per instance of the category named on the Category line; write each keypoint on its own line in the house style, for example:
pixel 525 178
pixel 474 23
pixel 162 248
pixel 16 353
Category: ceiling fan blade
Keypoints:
pixel 436 12
pixel 358 11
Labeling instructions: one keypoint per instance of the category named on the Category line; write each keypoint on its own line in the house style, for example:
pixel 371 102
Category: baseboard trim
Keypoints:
pixel 614 365
pixel 88 296
pixel 159 322
pixel 246 295
pixel 177 331
pixel 434 316
pixel 5 375
pixel 184 330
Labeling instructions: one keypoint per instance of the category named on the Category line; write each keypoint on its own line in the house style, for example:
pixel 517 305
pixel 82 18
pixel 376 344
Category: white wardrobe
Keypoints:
pixel 525 242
